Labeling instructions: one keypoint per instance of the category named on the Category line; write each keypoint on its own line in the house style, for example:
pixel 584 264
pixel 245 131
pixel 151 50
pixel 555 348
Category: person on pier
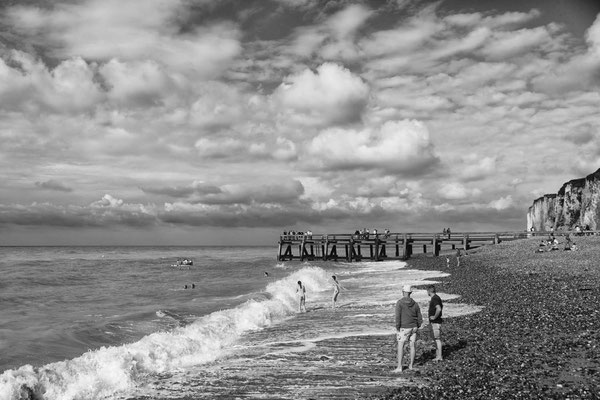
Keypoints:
pixel 301 293
pixel 408 321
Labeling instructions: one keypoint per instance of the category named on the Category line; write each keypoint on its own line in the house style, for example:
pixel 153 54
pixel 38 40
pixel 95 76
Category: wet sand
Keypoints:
pixel 536 338
pixel 345 353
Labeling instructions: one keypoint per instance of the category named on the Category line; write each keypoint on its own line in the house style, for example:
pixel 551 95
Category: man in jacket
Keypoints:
pixel 408 320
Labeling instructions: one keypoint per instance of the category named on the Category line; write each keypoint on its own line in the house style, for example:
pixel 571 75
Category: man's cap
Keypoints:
pixel 407 288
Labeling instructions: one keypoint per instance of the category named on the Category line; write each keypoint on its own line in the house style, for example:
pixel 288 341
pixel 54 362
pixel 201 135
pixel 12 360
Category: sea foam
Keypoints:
pixel 104 372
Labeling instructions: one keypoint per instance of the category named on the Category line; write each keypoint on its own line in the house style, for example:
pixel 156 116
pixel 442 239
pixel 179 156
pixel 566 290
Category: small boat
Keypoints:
pixel 186 262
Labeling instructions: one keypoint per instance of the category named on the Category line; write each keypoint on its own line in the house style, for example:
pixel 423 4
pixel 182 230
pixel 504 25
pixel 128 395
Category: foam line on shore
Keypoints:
pixel 109 370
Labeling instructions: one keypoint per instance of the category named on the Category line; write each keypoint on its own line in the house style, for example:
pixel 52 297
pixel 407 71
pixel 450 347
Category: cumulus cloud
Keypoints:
pixel 399 146
pixel 153 103
pixel 203 193
pixel 504 45
pixel 502 203
pixel 474 167
pixel 196 188
pixel 457 191
pixel 330 95
pixel 579 72
pixel 106 212
pixel 80 29
pixel 26 82
pixel 335 38
pixel 54 185
pixel 135 83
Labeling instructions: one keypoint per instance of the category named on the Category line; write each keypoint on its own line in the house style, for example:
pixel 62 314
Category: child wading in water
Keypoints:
pixel 301 293
pixel 336 290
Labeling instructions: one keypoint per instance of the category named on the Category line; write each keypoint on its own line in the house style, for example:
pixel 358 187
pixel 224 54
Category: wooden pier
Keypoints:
pixel 380 247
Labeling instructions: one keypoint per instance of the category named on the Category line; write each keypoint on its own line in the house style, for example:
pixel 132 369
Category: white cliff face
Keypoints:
pixel 541 214
pixel 577 203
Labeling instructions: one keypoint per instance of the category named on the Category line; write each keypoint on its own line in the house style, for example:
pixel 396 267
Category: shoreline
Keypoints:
pixel 346 353
pixel 536 337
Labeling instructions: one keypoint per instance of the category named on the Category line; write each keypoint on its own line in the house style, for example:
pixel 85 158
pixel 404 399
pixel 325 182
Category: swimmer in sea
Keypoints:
pixel 301 293
pixel 266 274
pixel 336 290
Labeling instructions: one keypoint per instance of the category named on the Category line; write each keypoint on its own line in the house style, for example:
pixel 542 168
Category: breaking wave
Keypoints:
pixel 107 371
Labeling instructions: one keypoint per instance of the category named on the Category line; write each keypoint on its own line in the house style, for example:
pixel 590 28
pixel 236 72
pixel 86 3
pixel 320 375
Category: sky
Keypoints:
pixel 206 122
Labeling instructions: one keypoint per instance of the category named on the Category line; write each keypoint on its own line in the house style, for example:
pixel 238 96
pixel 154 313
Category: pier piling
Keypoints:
pixel 401 245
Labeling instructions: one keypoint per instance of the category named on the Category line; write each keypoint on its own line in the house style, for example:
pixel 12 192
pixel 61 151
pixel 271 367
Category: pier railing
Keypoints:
pixel 390 246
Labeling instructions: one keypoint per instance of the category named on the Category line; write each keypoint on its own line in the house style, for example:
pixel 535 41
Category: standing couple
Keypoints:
pixel 301 293
pixel 409 319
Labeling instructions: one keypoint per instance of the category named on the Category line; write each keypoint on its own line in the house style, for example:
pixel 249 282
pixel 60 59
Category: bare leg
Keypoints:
pixel 412 354
pixel 400 356
pixel 438 352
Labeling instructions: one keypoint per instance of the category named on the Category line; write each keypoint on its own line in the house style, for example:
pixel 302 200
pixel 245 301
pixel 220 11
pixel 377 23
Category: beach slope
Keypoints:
pixel 537 336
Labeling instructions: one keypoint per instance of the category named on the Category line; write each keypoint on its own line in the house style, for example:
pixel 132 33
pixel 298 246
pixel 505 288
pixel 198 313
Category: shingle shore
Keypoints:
pixel 538 335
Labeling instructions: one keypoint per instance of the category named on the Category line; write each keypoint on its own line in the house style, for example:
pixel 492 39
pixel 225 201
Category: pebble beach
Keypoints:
pixel 537 335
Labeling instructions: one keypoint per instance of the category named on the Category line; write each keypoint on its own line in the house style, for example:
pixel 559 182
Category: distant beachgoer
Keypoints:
pixel 458 257
pixel 448 232
pixel 185 286
pixel 266 274
pixel 568 244
pixel 408 321
pixel 435 320
pixel 193 286
pixel 301 293
pixel 336 290
pixel 386 233
pixel 447 262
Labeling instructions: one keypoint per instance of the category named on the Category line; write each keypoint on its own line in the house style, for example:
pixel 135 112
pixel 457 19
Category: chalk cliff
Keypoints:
pixel 576 203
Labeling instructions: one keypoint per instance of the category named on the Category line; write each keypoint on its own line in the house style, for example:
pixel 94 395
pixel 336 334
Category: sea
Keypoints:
pixel 129 323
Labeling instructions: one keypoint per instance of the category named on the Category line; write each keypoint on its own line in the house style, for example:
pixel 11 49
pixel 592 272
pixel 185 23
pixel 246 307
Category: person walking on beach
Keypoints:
pixel 336 290
pixel 408 321
pixel 458 257
pixel 435 320
pixel 301 293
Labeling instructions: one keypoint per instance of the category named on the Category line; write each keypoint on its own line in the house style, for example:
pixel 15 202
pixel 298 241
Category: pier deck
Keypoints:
pixel 392 246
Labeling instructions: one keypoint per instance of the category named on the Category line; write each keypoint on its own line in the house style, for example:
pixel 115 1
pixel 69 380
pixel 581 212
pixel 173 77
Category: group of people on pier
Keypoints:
pixel 364 234
pixel 293 235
